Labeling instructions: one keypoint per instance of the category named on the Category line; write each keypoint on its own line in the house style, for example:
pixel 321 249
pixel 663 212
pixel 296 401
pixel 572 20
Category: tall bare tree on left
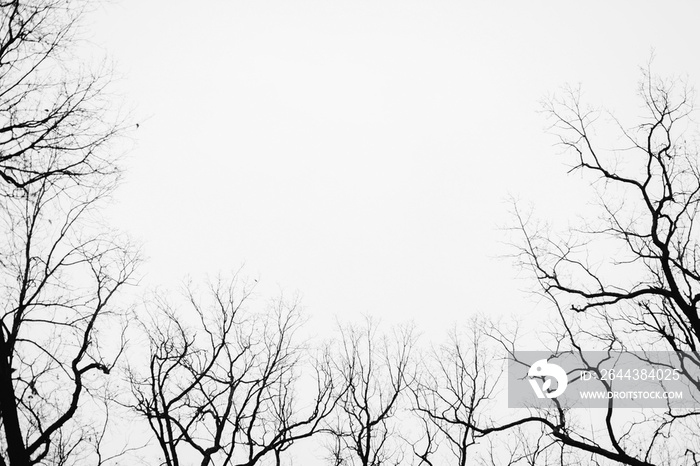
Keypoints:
pixel 59 267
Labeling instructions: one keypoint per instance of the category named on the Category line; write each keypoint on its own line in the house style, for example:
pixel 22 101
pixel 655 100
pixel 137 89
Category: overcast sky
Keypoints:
pixel 362 152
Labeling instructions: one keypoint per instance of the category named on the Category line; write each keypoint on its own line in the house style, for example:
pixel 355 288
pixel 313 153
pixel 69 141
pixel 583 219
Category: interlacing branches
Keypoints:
pixel 223 381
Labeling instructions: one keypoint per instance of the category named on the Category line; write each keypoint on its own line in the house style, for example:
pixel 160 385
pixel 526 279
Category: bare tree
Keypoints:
pixel 628 280
pixel 224 387
pixel 59 269
pixel 375 370
pixel 453 387
pixel 54 112
pixel 59 274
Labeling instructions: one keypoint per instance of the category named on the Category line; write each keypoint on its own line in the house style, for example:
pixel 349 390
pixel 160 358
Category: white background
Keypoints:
pixel 362 152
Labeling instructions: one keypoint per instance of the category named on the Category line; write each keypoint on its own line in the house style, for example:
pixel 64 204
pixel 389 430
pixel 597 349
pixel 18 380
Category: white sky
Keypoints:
pixel 360 152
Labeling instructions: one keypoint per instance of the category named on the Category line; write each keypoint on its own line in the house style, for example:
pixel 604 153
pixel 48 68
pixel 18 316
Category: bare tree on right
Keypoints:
pixel 628 279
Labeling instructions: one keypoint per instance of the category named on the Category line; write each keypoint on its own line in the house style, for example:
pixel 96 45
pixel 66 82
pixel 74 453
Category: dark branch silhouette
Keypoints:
pixel 375 370
pixel 627 280
pixel 224 383
pixel 55 116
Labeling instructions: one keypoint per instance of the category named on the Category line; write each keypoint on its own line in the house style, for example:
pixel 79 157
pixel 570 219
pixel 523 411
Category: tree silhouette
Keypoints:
pixel 225 387
pixel 54 111
pixel 626 280
pixel 58 275
pixel 374 371
pixel 453 385
pixel 60 269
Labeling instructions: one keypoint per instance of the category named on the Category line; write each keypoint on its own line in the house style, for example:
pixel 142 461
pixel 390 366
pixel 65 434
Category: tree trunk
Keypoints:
pixel 16 450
